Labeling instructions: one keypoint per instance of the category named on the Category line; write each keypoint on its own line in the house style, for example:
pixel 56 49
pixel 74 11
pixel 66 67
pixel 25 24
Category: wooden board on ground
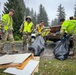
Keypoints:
pixel 20 60
pixel 28 69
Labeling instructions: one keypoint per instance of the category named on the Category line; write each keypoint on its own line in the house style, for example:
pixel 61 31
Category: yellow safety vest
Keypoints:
pixel 7 20
pixel 69 26
pixel 39 28
pixel 28 27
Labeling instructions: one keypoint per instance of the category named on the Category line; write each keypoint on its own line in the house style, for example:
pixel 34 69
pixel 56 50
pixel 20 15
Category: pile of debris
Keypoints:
pixel 20 64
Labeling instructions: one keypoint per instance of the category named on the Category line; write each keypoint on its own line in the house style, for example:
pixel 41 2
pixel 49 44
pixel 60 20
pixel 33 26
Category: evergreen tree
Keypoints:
pixel 54 22
pixel 22 4
pixel 75 11
pixel 42 15
pixel 61 12
pixel 31 12
pixel 18 17
pixel 33 15
pixel 27 11
pixel 35 19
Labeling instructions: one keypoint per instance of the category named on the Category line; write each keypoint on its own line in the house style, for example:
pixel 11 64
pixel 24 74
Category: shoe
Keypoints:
pixel 71 54
pixel 23 48
pixel 2 52
pixel 15 51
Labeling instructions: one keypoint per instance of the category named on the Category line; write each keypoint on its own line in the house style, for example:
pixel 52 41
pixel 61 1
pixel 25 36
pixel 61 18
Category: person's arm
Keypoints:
pixel 4 19
pixel 64 28
pixel 61 33
pixel 1 23
pixel 32 27
pixel 21 27
pixel 37 26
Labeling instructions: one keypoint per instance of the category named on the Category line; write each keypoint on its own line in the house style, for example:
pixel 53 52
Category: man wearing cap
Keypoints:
pixel 27 29
pixel 7 31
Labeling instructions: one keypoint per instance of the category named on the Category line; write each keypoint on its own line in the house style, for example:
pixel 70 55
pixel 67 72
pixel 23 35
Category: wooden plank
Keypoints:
pixel 35 70
pixel 8 65
pixel 37 58
pixel 28 69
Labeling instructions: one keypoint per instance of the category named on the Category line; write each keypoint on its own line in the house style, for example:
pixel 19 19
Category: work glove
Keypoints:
pixel 20 30
pixel 3 31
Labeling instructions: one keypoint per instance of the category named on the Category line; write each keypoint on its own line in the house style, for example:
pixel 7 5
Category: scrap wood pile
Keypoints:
pixel 19 64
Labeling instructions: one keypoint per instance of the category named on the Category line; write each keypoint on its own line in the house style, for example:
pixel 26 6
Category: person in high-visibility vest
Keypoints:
pixel 7 31
pixel 27 29
pixel 40 27
pixel 69 26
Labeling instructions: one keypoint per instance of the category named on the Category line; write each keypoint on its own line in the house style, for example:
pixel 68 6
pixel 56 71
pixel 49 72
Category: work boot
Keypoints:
pixel 14 50
pixel 23 48
pixel 2 52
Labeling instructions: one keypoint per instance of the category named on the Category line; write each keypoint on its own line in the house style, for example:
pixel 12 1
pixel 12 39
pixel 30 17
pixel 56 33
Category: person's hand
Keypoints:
pixel 54 34
pixel 12 29
pixel 20 30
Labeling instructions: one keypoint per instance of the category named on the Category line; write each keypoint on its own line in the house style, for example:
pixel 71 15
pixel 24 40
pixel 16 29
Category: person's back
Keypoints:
pixel 68 26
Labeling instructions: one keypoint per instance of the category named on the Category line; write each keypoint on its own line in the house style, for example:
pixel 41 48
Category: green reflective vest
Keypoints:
pixel 7 20
pixel 69 26
pixel 28 27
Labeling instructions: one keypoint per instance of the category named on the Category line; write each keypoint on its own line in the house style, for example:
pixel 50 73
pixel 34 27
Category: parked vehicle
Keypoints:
pixel 54 33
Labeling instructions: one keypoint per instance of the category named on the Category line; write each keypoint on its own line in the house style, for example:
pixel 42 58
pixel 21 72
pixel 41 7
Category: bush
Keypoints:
pixel 17 38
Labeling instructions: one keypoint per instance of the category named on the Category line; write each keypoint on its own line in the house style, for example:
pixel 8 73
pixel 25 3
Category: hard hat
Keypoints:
pixel 28 17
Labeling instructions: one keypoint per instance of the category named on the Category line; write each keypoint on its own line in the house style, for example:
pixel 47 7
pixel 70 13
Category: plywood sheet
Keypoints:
pixel 20 57
pixel 28 69
pixel 19 61
pixel 25 62
pixel 6 59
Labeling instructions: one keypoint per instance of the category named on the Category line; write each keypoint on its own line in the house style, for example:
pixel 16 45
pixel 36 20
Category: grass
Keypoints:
pixel 57 67
pixel 2 73
pixel 54 67
pixel 15 41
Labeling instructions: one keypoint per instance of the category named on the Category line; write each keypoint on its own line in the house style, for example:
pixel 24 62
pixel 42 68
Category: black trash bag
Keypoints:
pixel 71 44
pixel 61 51
pixel 37 46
